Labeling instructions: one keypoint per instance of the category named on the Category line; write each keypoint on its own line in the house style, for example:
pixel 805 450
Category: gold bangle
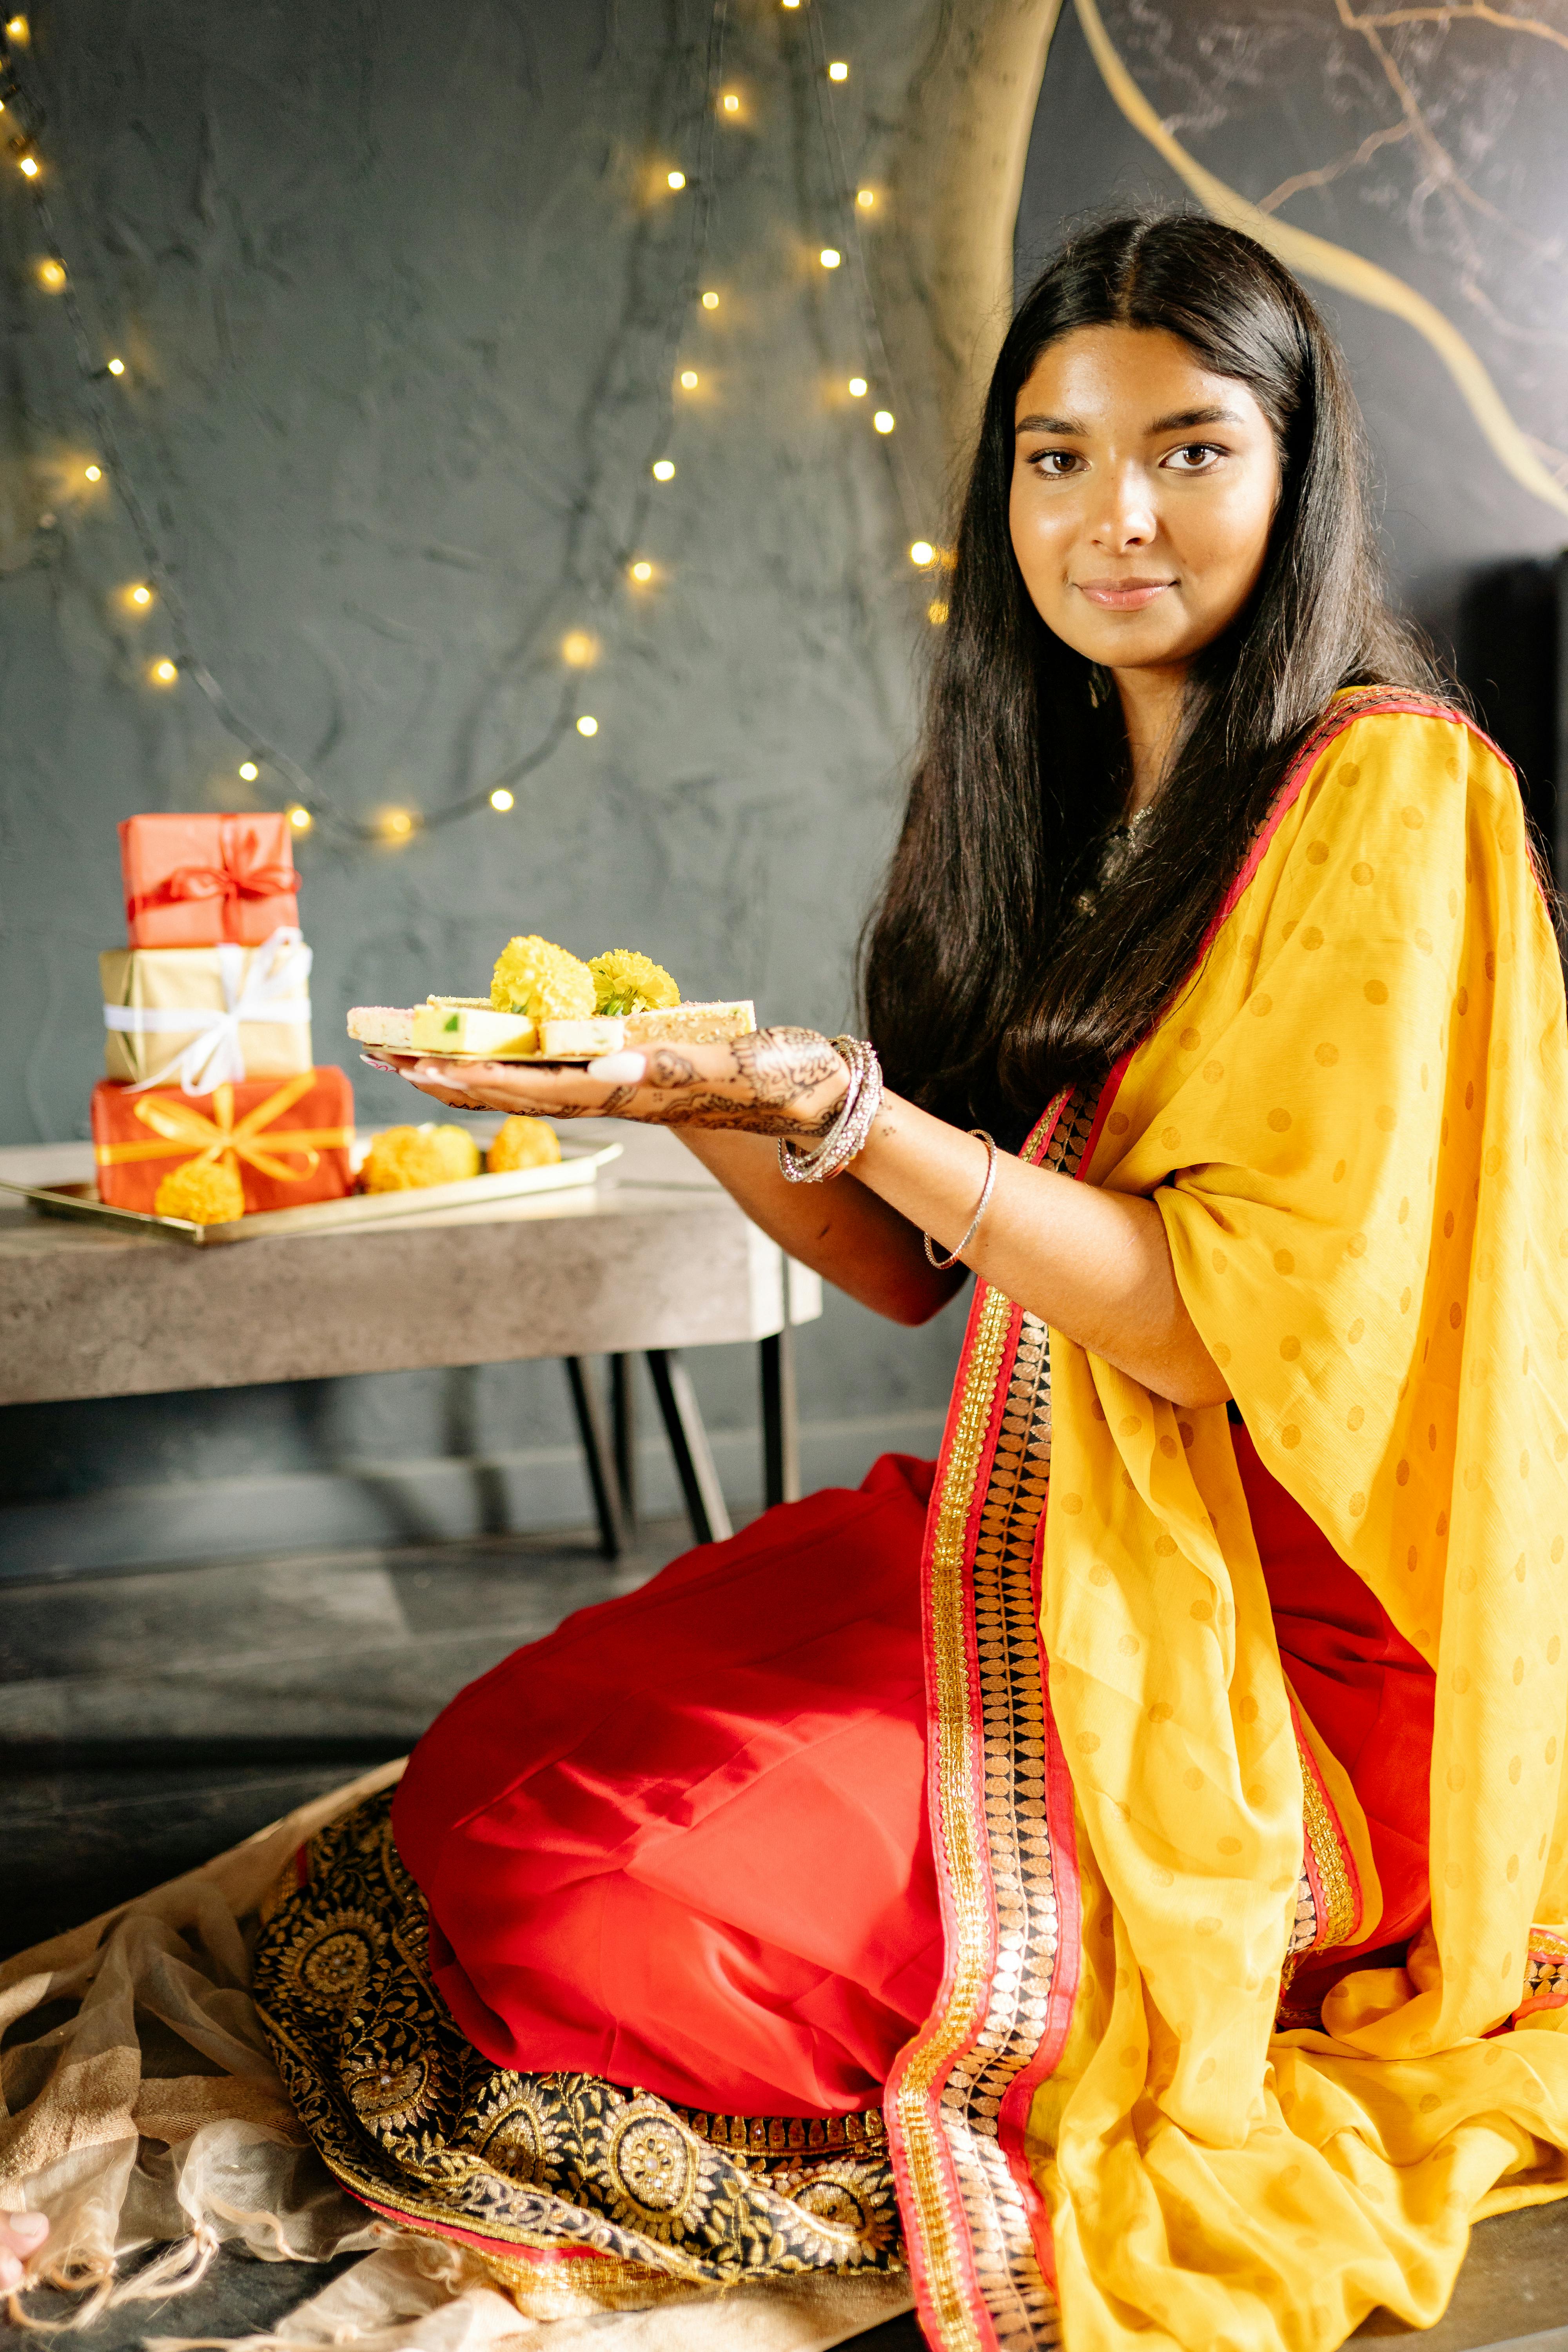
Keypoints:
pixel 942 1264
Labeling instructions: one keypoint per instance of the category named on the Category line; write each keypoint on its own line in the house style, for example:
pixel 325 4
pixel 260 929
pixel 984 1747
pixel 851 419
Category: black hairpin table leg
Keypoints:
pixel 623 1421
pixel 781 1420
pixel 688 1443
pixel 598 1456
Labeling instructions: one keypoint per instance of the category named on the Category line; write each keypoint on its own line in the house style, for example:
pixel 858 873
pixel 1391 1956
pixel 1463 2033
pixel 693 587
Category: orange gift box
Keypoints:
pixel 289 1142
pixel 194 881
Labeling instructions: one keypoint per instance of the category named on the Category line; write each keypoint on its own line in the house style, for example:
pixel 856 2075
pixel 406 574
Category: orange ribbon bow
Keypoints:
pixel 181 1128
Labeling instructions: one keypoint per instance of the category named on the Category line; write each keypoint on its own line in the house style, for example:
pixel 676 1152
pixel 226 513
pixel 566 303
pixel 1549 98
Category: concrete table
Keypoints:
pixel 652 1259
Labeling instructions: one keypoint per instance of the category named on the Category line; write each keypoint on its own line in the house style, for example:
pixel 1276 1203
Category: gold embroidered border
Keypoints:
pixel 952 2093
pixel 1341 1907
pixel 1545 1972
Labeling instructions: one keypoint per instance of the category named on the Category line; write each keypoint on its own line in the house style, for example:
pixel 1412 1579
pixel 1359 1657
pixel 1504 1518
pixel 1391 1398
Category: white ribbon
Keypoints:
pixel 215 1056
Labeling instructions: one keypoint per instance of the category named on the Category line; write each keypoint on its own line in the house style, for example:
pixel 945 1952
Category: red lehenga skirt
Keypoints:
pixel 613 1989
pixel 683 1841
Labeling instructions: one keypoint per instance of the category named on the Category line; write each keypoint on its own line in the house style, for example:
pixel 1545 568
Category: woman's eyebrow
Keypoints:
pixel 1181 418
pixel 1177 422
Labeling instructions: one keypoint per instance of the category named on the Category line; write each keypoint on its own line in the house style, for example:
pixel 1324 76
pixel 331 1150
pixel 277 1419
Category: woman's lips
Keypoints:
pixel 1122 596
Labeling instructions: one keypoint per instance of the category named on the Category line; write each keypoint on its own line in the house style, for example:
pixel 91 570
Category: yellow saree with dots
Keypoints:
pixel 1353 1123
pixel 1192 2009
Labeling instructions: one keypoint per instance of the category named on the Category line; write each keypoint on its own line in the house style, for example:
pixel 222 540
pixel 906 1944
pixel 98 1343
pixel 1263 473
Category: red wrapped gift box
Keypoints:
pixel 193 881
pixel 289 1141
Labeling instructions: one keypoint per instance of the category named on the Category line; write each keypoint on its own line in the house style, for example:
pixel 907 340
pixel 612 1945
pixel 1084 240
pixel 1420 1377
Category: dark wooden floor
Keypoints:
pixel 151 1719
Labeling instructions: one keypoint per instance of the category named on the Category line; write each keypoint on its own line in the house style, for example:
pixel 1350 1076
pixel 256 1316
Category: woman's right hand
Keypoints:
pixel 788 1083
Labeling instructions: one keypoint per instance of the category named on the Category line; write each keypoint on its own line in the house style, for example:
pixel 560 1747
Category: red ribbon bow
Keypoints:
pixel 235 876
pixel 215 882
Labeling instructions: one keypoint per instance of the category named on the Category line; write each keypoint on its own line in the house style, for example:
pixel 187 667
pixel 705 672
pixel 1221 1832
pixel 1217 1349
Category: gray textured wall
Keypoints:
pixel 401 295
pixel 403 298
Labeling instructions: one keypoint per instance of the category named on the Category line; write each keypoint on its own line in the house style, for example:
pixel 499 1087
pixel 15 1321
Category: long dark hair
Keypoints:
pixel 990 976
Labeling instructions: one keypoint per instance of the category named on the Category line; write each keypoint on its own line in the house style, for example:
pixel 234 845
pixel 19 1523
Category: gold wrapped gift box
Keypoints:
pixel 199 1017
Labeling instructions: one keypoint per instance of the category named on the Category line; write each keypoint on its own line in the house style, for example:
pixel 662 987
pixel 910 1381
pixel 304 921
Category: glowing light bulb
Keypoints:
pixel 93 473
pixel 642 571
pixel 586 726
pixel 709 302
pixel 142 594
pixel 117 367
pixel 790 3
pixel 17 30
pixel 923 552
pixel 675 179
pixel 830 256
pixel 732 103
pixel 865 198
pixel 163 673
pixel 300 818
pixel 52 274
pixel 397 824
pixel 664 469
pixel 859 387
pixel 883 420
pixel 689 379
pixel 29 167
pixel 936 613
pixel 579 650
pixel 838 70
pixel 501 799
pixel 248 771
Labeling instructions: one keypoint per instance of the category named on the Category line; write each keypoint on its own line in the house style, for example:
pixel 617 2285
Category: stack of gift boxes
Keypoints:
pixel 213 1109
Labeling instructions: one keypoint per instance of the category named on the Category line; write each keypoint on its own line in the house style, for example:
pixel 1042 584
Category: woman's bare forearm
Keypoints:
pixel 854 1240
pixel 1094 1264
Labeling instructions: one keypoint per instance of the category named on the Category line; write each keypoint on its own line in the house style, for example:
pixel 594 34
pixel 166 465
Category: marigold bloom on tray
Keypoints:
pixel 204 1192
pixel 628 983
pixel 534 976
pixel 523 1143
pixel 405 1159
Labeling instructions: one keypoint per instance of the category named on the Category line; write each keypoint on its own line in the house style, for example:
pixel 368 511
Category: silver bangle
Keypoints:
pixel 850 1131
pixel 942 1264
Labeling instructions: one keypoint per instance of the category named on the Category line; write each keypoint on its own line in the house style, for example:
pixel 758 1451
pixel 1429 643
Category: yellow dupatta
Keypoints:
pixel 1353 1123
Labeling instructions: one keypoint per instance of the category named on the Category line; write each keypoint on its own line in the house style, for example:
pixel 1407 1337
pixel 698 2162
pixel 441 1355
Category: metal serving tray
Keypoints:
pixel 579 1164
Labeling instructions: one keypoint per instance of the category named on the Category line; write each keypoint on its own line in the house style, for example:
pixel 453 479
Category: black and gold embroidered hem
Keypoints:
pixel 575 2192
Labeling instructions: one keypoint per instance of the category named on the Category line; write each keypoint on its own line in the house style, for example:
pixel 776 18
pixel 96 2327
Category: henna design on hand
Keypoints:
pixel 787 1083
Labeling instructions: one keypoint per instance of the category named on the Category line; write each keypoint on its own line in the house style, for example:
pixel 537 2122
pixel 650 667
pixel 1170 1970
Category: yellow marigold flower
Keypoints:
pixel 405 1159
pixel 523 1143
pixel 204 1192
pixel 534 977
pixel 628 983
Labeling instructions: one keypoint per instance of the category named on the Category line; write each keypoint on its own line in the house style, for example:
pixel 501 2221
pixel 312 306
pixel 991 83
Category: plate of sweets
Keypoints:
pixel 545 1005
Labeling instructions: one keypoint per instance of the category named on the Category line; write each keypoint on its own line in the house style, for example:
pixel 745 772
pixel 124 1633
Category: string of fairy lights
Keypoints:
pixel 105 375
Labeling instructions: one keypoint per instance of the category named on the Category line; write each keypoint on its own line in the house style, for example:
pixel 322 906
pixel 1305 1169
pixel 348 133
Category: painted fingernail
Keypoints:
pixel 29 2230
pixel 618 1069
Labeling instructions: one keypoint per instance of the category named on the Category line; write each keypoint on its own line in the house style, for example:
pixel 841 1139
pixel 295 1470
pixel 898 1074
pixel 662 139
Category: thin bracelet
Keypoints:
pixel 942 1264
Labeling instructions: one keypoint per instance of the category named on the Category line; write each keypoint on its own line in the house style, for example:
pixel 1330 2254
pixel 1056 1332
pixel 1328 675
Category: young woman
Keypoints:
pixel 1147 1903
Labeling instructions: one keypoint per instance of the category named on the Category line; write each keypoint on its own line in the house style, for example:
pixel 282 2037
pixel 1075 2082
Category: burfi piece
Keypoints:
pixel 498 1036
pixel 605 1033
pixel 391 1026
pixel 691 1025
